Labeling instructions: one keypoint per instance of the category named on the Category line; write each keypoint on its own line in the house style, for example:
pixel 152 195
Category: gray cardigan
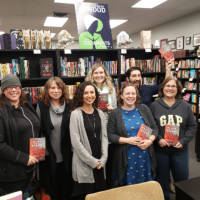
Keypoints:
pixel 83 162
pixel 116 129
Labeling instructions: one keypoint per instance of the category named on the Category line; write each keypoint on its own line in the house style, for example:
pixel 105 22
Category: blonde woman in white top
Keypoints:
pixel 99 76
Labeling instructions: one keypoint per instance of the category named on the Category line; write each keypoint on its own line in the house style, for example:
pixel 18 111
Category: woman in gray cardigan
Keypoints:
pixel 132 157
pixel 89 141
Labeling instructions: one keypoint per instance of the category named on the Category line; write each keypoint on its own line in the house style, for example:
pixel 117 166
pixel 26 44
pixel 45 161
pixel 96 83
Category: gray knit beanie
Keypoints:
pixel 10 80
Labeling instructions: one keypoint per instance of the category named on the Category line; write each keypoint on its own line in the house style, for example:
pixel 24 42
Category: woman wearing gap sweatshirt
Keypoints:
pixel 171 109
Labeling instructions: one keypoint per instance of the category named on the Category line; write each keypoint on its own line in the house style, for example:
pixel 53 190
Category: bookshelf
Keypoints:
pixel 73 65
pixel 153 67
pixel 188 72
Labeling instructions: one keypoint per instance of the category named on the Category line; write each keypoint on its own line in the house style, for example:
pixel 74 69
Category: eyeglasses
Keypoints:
pixel 13 88
pixel 171 86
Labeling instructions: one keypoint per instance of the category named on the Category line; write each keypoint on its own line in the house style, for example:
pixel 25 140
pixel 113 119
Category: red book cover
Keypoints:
pixel 12 196
pixel 103 101
pixel 144 132
pixel 171 134
pixel 37 148
pixel 167 54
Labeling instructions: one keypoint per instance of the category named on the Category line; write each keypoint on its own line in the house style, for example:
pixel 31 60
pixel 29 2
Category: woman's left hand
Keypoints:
pixel 178 145
pixel 144 144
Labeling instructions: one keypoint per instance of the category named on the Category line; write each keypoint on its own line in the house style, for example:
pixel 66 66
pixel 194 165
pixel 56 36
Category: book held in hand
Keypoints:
pixel 103 101
pixel 144 132
pixel 166 52
pixel 12 196
pixel 37 148
pixel 171 134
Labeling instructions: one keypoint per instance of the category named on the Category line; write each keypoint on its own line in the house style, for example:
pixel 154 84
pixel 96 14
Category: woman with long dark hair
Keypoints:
pixel 89 142
pixel 54 113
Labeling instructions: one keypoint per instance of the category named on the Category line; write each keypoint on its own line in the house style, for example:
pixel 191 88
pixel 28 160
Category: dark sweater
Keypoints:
pixel 146 93
pixel 116 129
pixel 179 114
pixel 47 126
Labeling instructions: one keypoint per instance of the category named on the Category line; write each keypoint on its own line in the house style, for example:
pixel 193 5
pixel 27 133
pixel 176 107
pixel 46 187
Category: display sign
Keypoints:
pixel 93 26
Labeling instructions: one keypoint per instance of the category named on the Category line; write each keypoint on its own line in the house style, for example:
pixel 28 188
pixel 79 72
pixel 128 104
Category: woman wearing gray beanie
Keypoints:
pixel 18 123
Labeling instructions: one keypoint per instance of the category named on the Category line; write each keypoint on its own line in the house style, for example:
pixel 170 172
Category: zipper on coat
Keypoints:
pixel 33 133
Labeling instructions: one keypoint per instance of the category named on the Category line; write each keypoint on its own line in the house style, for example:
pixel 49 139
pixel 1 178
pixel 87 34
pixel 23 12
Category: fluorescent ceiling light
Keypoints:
pixel 1 32
pixel 53 35
pixel 68 1
pixel 148 3
pixel 116 22
pixel 55 21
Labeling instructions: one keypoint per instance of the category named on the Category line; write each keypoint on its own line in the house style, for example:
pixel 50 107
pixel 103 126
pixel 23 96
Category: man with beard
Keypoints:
pixel 134 76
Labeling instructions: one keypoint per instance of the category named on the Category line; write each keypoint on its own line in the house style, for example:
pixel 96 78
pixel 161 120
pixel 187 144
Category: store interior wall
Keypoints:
pixel 185 26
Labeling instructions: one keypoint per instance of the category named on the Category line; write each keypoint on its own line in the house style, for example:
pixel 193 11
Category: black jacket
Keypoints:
pixel 116 129
pixel 47 126
pixel 14 149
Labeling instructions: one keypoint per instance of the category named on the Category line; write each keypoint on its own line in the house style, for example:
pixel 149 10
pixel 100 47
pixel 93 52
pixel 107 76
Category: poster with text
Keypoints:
pixel 93 26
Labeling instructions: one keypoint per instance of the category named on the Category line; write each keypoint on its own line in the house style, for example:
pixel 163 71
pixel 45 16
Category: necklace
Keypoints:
pixel 92 124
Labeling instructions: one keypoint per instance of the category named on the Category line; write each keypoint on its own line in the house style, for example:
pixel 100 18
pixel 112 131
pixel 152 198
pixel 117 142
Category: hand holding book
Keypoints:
pixel 32 160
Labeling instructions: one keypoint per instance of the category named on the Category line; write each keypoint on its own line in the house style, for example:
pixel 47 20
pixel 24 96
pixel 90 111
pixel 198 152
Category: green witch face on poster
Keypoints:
pixel 93 26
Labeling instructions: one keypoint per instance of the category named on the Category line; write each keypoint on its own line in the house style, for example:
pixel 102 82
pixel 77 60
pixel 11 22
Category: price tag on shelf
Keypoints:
pixel 177 69
pixel 36 51
pixel 191 79
pixel 67 51
pixel 148 50
pixel 123 51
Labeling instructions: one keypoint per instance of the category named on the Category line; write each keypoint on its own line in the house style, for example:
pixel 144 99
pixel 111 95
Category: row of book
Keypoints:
pixel 19 67
pixel 35 93
pixel 190 97
pixel 190 85
pixel 191 74
pixel 152 65
pixel 194 108
pixel 82 66
pixel 189 63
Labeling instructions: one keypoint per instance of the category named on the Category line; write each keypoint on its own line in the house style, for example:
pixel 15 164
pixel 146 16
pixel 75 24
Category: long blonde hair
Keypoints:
pixel 108 79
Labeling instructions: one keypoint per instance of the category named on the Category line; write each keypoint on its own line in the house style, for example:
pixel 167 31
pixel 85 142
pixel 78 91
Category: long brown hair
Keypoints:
pixel 120 100
pixel 78 96
pixel 59 82
pixel 178 85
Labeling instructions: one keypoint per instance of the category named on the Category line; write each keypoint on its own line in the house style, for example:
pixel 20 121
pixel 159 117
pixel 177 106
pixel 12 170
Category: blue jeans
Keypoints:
pixel 177 162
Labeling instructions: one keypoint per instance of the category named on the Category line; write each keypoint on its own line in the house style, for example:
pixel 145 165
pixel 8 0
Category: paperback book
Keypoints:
pixel 103 102
pixel 144 132
pixel 167 53
pixel 37 148
pixel 46 67
pixel 171 134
